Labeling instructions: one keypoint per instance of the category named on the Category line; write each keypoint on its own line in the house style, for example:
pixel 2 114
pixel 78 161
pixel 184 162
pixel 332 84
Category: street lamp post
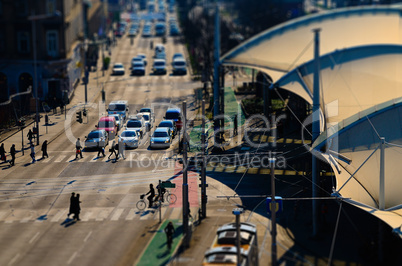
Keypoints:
pixel 34 18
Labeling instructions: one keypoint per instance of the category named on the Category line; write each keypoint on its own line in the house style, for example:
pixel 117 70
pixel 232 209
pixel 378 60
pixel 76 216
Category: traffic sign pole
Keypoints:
pixel 273 214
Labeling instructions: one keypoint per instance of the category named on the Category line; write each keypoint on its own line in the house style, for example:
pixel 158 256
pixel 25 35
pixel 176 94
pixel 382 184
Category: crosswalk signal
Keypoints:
pixel 84 113
pixel 79 116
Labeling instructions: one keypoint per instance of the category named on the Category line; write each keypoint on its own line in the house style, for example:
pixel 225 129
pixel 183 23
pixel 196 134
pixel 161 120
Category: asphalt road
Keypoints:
pixel 34 198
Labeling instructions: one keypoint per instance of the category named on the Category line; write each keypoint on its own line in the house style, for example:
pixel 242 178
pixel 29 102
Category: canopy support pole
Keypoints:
pixel 316 123
pixel 382 175
pixel 216 72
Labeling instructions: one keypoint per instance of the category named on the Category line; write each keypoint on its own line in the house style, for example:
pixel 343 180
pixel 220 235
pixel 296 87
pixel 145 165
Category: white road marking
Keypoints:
pixel 116 215
pixel 26 218
pixel 14 259
pixel 47 159
pixel 86 216
pixel 33 238
pixel 87 237
pixel 102 215
pixel 58 215
pixel 59 159
pixel 72 258
pixel 132 213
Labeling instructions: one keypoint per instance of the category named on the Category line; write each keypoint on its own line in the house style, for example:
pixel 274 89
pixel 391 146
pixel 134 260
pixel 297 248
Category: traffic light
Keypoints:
pixel 84 113
pixel 79 116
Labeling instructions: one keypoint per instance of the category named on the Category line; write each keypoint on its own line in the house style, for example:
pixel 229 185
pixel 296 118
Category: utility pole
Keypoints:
pixel 237 212
pixel 273 214
pixel 204 146
pixel 316 124
pixel 216 71
pixel 185 183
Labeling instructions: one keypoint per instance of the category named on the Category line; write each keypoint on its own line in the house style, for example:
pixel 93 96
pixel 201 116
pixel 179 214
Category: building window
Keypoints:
pixel 50 6
pixel 23 42
pixel 52 44
pixel 21 7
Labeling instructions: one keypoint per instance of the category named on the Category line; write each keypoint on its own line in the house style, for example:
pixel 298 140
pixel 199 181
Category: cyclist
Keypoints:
pixel 161 192
pixel 151 196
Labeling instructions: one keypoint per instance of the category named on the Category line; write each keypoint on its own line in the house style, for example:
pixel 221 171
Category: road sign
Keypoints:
pixel 279 205
pixel 168 184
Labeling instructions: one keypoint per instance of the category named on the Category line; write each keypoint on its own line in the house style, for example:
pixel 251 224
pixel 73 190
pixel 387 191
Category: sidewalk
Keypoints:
pixel 56 124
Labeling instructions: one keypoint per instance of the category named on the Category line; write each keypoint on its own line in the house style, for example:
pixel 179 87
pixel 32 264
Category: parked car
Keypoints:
pixel 161 138
pixel 109 124
pixel 168 124
pixel 159 66
pixel 130 138
pixel 118 69
pixel 137 125
pixel 96 138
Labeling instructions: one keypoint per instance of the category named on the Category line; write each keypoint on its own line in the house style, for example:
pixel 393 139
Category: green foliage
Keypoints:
pixel 253 105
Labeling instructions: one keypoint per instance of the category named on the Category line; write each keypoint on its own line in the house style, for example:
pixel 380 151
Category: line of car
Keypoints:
pixel 135 128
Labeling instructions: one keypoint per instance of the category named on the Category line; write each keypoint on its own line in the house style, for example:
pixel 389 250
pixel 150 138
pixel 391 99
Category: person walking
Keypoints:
pixel 30 136
pixel 112 150
pixel 12 153
pixel 117 149
pixel 33 153
pixel 71 210
pixel 44 150
pixel 151 196
pixel 121 149
pixel 169 231
pixel 2 153
pixel 78 148
pixel 76 207
pixel 101 150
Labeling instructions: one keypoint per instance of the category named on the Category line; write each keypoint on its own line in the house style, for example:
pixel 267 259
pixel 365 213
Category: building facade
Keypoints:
pixel 57 28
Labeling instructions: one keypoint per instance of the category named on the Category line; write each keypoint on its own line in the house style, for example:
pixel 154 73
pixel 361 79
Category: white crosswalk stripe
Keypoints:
pixel 94 214
pixel 59 158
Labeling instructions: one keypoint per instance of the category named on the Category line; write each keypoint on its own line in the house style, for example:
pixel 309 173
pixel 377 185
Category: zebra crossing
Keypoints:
pixel 93 214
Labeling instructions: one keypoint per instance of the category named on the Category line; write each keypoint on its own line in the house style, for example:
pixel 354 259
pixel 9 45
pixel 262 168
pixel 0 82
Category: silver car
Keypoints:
pixel 96 138
pixel 130 138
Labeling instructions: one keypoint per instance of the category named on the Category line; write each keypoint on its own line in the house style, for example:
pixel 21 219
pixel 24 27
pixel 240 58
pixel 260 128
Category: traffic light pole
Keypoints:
pixel 273 214
pixel 22 140
pixel 203 169
pixel 185 182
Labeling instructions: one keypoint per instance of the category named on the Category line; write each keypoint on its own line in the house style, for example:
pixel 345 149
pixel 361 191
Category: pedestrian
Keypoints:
pixel 2 153
pixel 151 196
pixel 169 231
pixel 121 149
pixel 101 150
pixel 12 153
pixel 235 125
pixel 112 150
pixel 44 150
pixel 78 148
pixel 33 153
pixel 117 150
pixel 71 210
pixel 76 207
pixel 30 135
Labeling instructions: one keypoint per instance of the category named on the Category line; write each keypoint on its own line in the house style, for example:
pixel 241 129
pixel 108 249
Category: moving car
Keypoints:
pixel 161 138
pixel 118 107
pixel 118 69
pixel 138 68
pixel 148 120
pixel 96 137
pixel 168 124
pixel 159 66
pixel 179 66
pixel 144 58
pixel 109 124
pixel 173 114
pixel 137 125
pixel 130 138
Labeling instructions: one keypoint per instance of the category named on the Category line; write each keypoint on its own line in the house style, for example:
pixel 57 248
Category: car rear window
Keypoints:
pixel 128 134
pixel 165 124
pixel 172 115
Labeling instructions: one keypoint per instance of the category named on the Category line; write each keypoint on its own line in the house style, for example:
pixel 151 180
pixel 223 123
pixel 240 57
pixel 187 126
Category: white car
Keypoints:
pixel 161 138
pixel 130 138
pixel 159 66
pixel 118 69
pixel 137 125
pixel 148 120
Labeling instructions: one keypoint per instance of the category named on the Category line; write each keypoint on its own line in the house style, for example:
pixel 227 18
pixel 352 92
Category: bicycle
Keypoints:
pixel 170 197
pixel 141 204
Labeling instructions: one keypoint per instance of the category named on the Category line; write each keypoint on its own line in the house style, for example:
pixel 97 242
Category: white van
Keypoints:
pixel 118 107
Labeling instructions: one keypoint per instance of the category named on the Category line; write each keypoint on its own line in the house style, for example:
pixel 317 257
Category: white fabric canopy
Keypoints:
pixel 288 45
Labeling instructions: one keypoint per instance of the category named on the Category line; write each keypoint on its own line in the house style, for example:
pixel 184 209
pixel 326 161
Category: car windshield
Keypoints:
pixel 180 63
pixel 146 117
pixel 117 107
pixel 94 135
pixel 118 66
pixel 134 124
pixel 159 63
pixel 105 124
pixel 172 115
pixel 128 134
pixel 138 64
pixel 160 134
pixel 165 124
pixel 145 110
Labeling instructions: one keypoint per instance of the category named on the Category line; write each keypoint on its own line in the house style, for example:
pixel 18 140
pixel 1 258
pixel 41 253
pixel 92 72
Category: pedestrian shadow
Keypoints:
pixel 164 254
pixel 147 212
pixel 68 222
pixel 73 160
pixel 28 164
pixel 42 218
pixel 7 167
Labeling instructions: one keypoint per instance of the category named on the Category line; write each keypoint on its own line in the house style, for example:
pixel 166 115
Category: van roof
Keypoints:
pixel 118 102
